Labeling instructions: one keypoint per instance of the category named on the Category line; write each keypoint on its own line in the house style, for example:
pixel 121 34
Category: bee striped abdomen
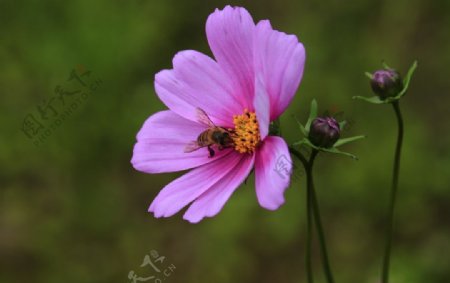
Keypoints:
pixel 204 139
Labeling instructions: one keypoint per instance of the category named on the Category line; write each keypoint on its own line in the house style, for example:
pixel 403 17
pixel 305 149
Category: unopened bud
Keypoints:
pixel 386 83
pixel 324 132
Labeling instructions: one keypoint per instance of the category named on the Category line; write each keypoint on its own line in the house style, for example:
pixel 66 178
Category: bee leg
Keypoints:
pixel 211 152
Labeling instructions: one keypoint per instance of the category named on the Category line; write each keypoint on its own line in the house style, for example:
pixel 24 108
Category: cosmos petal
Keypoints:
pixel 161 142
pixel 262 107
pixel 230 36
pixel 212 201
pixel 191 185
pixel 273 168
pixel 196 80
pixel 279 59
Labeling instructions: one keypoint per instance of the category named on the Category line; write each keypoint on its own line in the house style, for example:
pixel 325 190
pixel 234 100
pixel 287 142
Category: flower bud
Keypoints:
pixel 324 132
pixel 386 83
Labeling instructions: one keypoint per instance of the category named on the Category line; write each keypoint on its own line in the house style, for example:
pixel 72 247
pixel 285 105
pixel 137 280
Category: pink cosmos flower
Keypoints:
pixel 250 83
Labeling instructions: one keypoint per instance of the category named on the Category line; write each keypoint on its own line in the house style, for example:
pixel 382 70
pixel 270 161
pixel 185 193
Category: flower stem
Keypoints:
pixel 309 193
pixel 308 261
pixel 318 221
pixel 313 204
pixel 393 196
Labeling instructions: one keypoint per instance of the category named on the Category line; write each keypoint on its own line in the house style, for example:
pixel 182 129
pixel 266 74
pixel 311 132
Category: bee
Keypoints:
pixel 214 135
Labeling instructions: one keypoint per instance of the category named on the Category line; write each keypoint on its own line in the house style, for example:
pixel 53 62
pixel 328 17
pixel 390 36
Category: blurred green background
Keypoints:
pixel 74 210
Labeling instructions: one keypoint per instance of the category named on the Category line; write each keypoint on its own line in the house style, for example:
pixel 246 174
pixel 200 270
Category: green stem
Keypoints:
pixel 312 200
pixel 309 193
pixel 300 156
pixel 318 221
pixel 308 169
pixel 321 234
pixel 393 196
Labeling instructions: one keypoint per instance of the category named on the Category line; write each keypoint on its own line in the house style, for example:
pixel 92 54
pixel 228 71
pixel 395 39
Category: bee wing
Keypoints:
pixel 192 146
pixel 203 118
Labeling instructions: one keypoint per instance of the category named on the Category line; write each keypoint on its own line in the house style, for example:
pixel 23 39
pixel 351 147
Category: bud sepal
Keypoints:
pixel 377 100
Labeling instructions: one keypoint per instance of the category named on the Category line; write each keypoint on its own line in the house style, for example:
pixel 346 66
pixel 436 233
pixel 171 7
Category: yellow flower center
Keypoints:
pixel 246 132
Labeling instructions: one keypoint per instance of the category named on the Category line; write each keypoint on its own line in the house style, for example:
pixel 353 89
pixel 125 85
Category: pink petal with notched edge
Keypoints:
pixel 230 36
pixel 273 167
pixel 280 59
pixel 197 81
pixel 161 142
pixel 212 201
pixel 191 185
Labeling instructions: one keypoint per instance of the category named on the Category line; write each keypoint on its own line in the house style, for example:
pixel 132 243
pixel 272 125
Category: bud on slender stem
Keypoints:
pixel 386 83
pixel 324 132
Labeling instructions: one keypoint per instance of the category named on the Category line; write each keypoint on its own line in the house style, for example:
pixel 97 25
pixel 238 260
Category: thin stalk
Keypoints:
pixel 299 155
pixel 312 199
pixel 321 234
pixel 318 221
pixel 309 193
pixel 393 196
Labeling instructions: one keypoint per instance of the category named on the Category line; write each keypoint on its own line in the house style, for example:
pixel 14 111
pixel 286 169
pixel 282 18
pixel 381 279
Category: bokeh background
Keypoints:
pixel 72 208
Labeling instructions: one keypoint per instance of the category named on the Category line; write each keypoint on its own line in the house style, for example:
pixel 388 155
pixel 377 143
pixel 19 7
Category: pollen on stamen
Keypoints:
pixel 246 132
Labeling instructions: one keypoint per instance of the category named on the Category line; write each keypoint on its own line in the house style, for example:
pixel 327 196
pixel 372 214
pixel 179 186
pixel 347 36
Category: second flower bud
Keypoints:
pixel 386 83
